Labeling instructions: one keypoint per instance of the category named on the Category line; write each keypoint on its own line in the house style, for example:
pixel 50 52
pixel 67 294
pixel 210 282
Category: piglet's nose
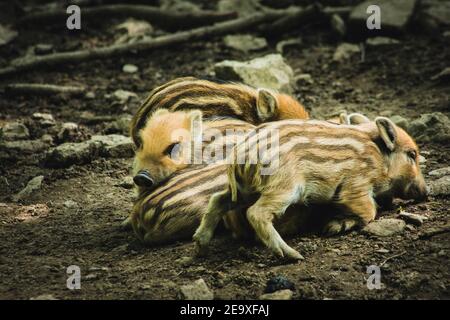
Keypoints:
pixel 143 179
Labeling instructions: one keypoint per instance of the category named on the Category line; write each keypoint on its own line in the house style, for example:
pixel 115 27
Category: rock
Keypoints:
pixel 278 283
pixel 7 35
pixel 439 173
pixel 441 76
pixel 381 41
pixel 446 34
pixel 245 42
pixel 338 25
pixel 130 68
pixel 127 183
pixel 344 51
pixel 44 119
pixel 90 95
pixel 385 227
pixel 70 153
pixel 285 294
pixel 67 154
pixel 135 30
pixel 304 79
pixel 267 72
pixel 70 204
pixel 412 218
pixel 179 5
pixel 198 290
pixel 123 96
pixel 395 16
pixel 114 145
pixel 44 297
pixel 431 127
pixel 185 261
pixel 288 44
pixel 15 131
pixel 440 187
pixel 43 48
pixel 121 125
pixel 32 186
pixel 69 132
pixel 400 121
pixel 243 8
pixel 19 148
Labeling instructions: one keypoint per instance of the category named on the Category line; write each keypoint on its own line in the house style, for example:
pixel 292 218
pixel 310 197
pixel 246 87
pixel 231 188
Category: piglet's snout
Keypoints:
pixel 418 190
pixel 143 179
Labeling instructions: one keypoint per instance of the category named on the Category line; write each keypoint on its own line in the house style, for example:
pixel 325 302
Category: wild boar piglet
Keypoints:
pixel 316 162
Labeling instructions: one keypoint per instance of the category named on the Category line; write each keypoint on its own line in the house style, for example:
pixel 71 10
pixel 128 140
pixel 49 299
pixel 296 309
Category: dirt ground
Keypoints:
pixel 45 234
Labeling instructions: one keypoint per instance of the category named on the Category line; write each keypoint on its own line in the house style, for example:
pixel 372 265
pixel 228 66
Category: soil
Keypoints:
pixel 45 234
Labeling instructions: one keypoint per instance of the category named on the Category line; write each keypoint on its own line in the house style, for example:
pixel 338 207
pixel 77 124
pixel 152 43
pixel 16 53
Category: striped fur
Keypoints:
pixel 214 99
pixel 318 162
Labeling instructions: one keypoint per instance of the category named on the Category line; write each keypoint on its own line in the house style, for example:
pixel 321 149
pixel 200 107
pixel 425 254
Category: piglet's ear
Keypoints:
pixel 387 131
pixel 266 105
pixel 195 119
pixel 357 118
pixel 343 118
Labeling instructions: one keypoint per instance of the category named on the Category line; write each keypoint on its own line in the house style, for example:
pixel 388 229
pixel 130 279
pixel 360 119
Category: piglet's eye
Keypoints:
pixel 412 154
pixel 172 150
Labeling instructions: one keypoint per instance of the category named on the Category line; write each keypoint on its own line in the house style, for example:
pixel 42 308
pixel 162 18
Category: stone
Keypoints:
pixel 19 148
pixel 185 261
pixel 285 45
pixel 44 119
pixel 344 51
pixel 135 30
pixel 69 132
pixel 400 121
pixel 70 153
pixel 70 204
pixel 198 290
pixel 130 68
pixel 15 131
pixel 269 71
pixel 412 218
pixel 245 42
pixel 43 48
pixel 123 96
pixel 395 15
pixel 114 145
pixel 32 186
pixel 381 41
pixel 7 35
pixel 439 173
pixel 278 295
pixel 121 125
pixel 431 127
pixel 440 187
pixel 385 227
pixel 277 283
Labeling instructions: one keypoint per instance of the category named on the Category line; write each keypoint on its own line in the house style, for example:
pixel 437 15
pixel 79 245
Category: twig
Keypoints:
pixel 435 231
pixel 392 257
pixel 42 89
pixel 163 18
pixel 64 58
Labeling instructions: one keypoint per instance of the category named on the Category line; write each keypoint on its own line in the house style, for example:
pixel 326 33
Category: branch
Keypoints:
pixel 163 18
pixel 64 58
pixel 435 231
pixel 42 89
